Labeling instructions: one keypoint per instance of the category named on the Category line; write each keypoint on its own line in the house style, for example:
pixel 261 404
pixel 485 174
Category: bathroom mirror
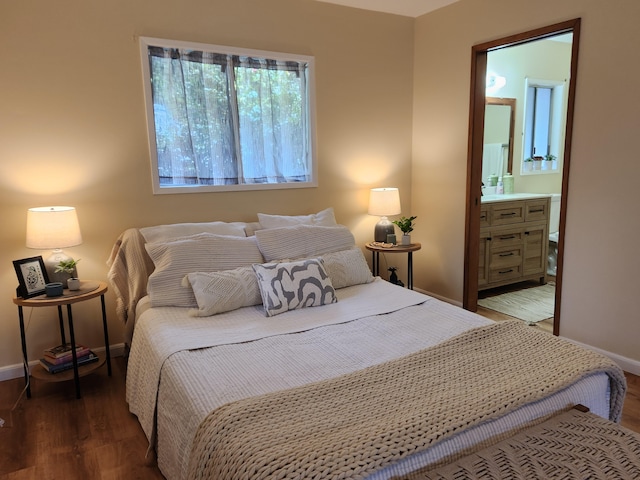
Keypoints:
pixel 499 121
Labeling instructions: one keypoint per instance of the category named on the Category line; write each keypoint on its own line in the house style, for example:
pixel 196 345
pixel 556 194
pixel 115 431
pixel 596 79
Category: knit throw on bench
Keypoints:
pixel 353 425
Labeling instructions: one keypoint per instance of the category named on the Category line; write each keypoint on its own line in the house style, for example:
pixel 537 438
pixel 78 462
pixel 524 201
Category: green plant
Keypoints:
pixel 528 159
pixel 405 224
pixel 66 266
pixel 550 158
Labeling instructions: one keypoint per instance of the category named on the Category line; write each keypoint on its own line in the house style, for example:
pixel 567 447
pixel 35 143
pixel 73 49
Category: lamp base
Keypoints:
pixel 51 263
pixel 383 228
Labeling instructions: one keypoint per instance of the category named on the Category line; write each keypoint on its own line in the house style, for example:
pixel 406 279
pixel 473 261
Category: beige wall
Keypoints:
pixel 602 262
pixel 73 130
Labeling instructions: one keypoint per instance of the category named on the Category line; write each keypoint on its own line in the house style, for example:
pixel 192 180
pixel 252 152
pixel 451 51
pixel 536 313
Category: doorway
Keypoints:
pixel 475 153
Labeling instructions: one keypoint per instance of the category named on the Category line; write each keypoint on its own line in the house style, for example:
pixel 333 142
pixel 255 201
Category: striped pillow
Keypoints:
pixel 167 233
pixel 325 218
pixel 205 252
pixel 293 285
pixel 302 241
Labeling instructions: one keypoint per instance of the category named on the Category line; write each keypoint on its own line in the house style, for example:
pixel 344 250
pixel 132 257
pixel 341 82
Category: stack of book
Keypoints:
pixel 60 358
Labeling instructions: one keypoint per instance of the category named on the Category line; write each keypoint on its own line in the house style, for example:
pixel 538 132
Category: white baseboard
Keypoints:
pixel 440 297
pixel 15 371
pixel 627 364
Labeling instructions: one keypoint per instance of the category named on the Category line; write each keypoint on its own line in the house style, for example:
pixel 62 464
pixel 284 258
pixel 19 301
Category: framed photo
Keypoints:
pixel 32 276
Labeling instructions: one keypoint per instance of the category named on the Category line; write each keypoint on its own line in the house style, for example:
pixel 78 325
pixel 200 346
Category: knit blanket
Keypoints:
pixel 353 425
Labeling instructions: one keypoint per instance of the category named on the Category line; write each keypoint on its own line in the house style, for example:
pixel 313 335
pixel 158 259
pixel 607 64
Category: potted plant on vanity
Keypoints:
pixel 406 225
pixel 69 267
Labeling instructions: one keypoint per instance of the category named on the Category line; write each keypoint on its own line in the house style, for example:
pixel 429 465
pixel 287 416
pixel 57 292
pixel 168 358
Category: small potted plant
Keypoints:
pixel 69 267
pixel 406 226
pixel 537 162
pixel 528 164
pixel 549 162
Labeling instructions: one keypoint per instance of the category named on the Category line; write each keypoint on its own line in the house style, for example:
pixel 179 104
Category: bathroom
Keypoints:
pixel 526 104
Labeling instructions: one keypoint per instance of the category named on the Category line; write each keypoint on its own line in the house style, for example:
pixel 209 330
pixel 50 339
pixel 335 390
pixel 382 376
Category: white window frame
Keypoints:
pixel 558 112
pixel 145 42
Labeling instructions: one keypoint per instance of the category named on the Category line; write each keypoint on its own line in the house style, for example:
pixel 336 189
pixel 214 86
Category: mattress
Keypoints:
pixel 191 366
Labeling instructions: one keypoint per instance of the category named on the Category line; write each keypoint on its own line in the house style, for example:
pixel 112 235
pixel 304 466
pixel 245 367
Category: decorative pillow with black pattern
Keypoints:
pixel 294 285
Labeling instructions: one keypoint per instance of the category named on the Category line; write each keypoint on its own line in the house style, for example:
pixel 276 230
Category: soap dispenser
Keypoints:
pixel 500 186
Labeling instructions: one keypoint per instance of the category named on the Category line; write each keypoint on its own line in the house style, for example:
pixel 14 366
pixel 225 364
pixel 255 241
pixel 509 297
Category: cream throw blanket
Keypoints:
pixel 129 268
pixel 351 426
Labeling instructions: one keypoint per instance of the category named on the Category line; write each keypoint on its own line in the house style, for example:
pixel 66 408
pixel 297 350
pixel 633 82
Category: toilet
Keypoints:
pixel 554 227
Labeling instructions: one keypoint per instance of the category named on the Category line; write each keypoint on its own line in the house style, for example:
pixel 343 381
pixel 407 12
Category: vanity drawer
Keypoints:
pixel 505 273
pixel 506 257
pixel 506 213
pixel 537 210
pixel 507 237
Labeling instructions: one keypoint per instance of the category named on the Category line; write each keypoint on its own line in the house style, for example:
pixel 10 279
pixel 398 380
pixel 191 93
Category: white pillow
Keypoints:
pixel 165 233
pixel 302 241
pixel 293 285
pixel 223 291
pixel 199 253
pixel 347 268
pixel 324 218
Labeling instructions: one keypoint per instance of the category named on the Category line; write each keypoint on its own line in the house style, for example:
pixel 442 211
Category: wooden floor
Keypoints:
pixel 54 436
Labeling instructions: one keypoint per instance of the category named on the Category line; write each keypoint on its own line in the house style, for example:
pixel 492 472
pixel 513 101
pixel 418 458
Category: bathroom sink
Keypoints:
pixel 512 196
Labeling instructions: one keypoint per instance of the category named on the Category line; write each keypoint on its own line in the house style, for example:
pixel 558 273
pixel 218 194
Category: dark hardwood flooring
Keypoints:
pixel 54 436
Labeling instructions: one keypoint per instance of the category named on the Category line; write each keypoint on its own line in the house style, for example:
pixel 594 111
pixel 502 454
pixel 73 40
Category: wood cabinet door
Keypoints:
pixel 536 246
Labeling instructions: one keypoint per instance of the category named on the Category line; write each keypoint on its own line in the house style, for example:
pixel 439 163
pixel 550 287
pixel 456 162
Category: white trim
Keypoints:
pixel 627 364
pixel 440 297
pixel 10 372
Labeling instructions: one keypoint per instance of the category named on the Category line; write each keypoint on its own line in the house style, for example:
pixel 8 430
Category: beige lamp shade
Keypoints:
pixel 52 227
pixel 383 202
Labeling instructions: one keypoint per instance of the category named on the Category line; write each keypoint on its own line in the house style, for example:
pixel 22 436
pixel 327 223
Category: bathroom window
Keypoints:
pixel 538 126
pixel 222 118
pixel 544 111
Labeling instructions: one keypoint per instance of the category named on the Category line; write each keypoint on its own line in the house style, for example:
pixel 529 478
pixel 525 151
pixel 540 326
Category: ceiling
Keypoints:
pixel 408 8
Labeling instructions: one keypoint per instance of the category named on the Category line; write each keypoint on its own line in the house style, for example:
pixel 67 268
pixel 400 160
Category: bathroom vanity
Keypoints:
pixel 514 239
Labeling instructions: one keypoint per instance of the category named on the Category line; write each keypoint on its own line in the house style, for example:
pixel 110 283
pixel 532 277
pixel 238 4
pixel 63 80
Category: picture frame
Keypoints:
pixel 32 276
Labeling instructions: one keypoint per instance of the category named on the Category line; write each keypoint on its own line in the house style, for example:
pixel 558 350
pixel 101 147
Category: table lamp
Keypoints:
pixel 53 228
pixel 383 202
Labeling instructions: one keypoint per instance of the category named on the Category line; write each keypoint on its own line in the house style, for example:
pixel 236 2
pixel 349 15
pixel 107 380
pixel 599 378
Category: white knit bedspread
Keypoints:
pixel 253 355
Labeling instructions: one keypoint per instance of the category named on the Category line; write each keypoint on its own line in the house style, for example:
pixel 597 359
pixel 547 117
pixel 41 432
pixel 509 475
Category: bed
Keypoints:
pixel 268 350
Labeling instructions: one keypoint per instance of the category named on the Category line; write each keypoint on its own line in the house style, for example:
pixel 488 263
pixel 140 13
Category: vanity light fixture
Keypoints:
pixel 495 82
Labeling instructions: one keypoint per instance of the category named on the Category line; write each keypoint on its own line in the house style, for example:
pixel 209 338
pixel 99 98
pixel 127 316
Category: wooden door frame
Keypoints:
pixel 474 154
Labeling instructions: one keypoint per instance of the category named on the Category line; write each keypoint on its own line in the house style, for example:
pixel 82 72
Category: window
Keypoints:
pixel 544 111
pixel 538 131
pixel 222 118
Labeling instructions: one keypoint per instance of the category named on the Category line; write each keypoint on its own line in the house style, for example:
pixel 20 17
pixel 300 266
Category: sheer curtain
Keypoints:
pixel 225 119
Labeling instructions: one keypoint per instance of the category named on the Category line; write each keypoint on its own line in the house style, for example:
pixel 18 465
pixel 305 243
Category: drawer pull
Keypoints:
pixel 508 254
pixel 537 211
pixel 505 271
pixel 507 237
pixel 510 214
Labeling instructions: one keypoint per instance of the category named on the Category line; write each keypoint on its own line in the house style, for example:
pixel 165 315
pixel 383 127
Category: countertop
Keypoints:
pixel 512 196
